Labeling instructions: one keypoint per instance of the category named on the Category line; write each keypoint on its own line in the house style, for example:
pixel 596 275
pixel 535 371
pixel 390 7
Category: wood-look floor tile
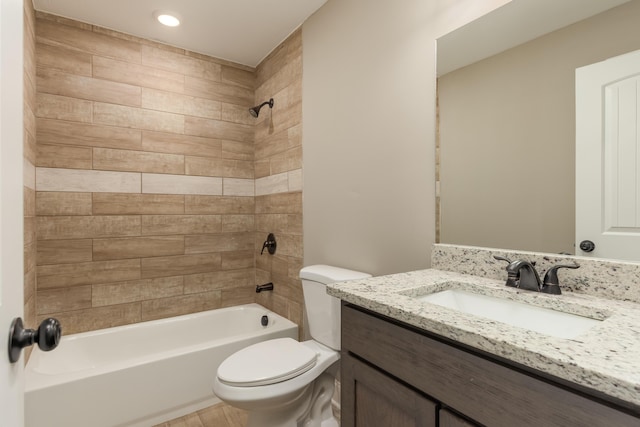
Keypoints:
pixel 97 317
pixel 82 227
pixel 180 265
pixel 63 59
pixel 137 74
pixel 179 305
pixel 159 225
pixel 136 290
pixel 137 247
pixel 223 242
pixel 87 273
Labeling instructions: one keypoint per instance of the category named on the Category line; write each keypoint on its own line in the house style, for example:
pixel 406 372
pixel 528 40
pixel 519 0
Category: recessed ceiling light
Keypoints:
pixel 169 19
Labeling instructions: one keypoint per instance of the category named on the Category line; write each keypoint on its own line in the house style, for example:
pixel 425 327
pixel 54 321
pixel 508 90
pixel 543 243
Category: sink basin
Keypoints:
pixel 538 319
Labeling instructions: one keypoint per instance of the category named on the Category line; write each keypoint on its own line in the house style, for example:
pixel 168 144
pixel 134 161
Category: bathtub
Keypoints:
pixel 142 374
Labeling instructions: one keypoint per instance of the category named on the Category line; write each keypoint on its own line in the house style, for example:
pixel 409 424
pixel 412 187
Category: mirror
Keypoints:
pixel 506 119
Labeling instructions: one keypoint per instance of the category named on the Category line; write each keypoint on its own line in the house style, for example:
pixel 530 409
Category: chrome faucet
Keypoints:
pixel 522 275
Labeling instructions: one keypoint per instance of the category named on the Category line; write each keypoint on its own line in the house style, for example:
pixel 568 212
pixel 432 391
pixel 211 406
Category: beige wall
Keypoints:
pixel 507 128
pixel 278 167
pixel 29 153
pixel 145 178
pixel 368 119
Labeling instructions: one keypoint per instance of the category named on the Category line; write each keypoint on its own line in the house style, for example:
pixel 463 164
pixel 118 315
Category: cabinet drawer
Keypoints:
pixel 488 392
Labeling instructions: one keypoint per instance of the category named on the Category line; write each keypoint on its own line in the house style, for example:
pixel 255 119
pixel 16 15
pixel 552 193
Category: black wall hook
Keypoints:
pixel 269 244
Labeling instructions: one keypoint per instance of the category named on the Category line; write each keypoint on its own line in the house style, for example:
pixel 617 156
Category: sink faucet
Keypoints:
pixel 522 275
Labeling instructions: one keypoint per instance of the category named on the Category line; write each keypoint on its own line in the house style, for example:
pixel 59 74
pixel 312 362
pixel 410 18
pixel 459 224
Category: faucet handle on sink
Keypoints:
pixel 551 284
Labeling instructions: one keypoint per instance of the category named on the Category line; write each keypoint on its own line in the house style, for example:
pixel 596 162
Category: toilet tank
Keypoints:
pixel 323 310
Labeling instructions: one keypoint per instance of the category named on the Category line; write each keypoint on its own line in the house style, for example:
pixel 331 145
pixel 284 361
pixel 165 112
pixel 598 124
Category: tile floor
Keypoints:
pixel 220 415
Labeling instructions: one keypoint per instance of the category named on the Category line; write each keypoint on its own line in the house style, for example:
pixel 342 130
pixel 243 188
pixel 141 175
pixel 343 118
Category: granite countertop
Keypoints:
pixel 606 358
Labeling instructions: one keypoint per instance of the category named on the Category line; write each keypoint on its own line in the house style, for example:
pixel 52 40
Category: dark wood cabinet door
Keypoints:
pixel 372 399
pixel 449 419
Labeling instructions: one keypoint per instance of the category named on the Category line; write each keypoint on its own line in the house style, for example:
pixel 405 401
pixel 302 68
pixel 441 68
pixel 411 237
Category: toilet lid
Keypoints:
pixel 267 362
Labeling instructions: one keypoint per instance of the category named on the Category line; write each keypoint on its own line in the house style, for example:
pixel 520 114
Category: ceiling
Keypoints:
pixel 511 25
pixel 241 31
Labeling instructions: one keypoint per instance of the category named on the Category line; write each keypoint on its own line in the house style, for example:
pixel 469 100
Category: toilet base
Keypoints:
pixel 313 409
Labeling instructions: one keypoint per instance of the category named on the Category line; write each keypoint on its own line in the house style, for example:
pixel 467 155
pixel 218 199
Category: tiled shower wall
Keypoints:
pixel 29 153
pixel 278 168
pixel 145 198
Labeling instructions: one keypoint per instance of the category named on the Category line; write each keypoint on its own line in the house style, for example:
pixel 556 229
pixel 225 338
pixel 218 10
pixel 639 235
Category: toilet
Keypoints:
pixel 286 383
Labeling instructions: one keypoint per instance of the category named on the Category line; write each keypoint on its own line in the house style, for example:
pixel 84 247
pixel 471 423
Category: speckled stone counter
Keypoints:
pixel 606 358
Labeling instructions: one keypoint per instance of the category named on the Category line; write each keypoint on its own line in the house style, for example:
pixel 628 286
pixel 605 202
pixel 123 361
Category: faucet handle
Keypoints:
pixel 512 278
pixel 499 258
pixel 551 284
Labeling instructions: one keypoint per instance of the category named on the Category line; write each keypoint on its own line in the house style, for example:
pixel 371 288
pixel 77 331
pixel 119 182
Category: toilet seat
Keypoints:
pixel 267 362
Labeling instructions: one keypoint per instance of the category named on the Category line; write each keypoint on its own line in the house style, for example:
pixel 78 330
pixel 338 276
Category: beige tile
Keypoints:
pixel 50 179
pixel 64 251
pixel 238 76
pixel 97 318
pixel 70 133
pixel 237 114
pixel 63 59
pixel 262 168
pixel 63 299
pixel 136 74
pixel 238 223
pixel 222 242
pixel 138 118
pixel 219 205
pixel 205 282
pixel 223 415
pixel 64 108
pixel 63 203
pixel 178 184
pixel 272 223
pixel 158 225
pixel 176 306
pixel 81 227
pixel 237 150
pixel 63 156
pixel 216 91
pixel 180 265
pixel 217 129
pixel 178 63
pixel 136 290
pixel 237 296
pixel 238 259
pixel 137 204
pixel 30 228
pixel 28 174
pixel 295 180
pixel 29 257
pixel 238 187
pixel 87 273
pixel 53 33
pixel 290 203
pixel 180 104
pixel 207 166
pixel 137 247
pixel 272 184
pixel 274 144
pixel 29 145
pixel 288 245
pixel 29 201
pixel 137 161
pixel 181 144
pixel 57 82
pixel 281 121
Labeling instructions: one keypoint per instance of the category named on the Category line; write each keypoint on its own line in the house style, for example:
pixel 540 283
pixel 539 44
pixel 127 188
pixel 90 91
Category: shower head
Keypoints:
pixel 256 110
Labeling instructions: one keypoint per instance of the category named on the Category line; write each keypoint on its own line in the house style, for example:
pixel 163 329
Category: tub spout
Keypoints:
pixel 265 287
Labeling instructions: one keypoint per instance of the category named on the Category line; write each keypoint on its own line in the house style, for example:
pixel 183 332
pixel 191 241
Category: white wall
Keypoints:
pixel 369 132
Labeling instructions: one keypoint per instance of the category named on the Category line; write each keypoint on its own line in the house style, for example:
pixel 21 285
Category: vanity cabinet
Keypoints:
pixel 395 375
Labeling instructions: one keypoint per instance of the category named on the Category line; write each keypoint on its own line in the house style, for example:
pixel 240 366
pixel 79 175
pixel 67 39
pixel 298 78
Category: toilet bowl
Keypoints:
pixel 286 383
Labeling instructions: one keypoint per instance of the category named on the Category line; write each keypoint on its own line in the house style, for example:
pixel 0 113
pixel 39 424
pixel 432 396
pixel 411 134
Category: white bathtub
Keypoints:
pixel 141 374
